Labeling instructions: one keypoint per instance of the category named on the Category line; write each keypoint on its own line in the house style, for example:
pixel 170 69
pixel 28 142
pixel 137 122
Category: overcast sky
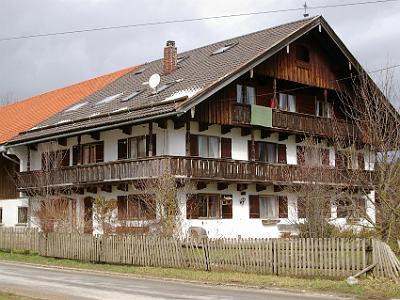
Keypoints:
pixel 33 66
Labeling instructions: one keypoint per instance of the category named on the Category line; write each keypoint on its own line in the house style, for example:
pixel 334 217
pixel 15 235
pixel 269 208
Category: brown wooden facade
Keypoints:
pixel 8 188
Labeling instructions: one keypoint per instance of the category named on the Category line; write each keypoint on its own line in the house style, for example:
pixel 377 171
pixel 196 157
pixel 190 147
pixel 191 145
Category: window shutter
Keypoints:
pixel 283 207
pixel 325 157
pixel 226 148
pixel 361 162
pixel 153 141
pixel 300 155
pixel 122 149
pixel 194 145
pixel 65 158
pixel 301 208
pixel 192 208
pixel 254 206
pixel 100 152
pixel 122 207
pixel 282 153
pixel 75 154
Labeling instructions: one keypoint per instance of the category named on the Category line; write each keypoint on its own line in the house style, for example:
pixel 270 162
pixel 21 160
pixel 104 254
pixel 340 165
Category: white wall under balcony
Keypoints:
pixel 10 211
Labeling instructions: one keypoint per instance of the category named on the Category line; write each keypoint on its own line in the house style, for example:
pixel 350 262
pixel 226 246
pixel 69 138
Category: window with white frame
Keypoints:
pixel 245 94
pixel 268 207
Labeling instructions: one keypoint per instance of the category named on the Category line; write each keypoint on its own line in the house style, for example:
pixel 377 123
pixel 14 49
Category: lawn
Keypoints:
pixel 367 289
pixel 8 296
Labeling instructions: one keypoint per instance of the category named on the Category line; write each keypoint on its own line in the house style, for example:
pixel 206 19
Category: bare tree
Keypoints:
pixel 104 214
pixel 378 123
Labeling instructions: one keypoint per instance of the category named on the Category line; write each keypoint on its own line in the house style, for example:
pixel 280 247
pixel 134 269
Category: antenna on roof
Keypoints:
pixel 154 81
pixel 305 15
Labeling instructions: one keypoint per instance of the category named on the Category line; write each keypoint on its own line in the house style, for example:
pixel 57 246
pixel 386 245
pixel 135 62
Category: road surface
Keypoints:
pixel 51 283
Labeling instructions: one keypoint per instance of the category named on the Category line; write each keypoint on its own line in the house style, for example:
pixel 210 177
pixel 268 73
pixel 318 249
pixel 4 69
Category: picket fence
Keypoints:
pixel 335 258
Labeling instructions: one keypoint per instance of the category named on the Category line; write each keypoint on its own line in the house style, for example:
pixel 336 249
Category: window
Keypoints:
pixel 22 215
pixel 136 207
pixel 268 207
pixel 302 54
pixel 351 208
pixel 268 152
pixel 312 156
pixel 88 153
pixel 210 146
pixel 342 160
pixel 136 147
pixel 287 102
pixel 224 48
pixel 323 109
pixel 245 94
pixel 209 206
pixel 55 160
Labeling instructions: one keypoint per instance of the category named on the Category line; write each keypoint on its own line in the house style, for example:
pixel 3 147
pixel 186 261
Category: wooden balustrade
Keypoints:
pixel 189 167
pixel 301 123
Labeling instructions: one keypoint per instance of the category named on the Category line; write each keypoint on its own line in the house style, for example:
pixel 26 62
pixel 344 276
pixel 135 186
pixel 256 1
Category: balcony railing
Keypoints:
pixel 301 123
pixel 192 168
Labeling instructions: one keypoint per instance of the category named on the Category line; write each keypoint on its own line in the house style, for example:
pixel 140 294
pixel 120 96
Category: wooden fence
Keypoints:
pixel 335 258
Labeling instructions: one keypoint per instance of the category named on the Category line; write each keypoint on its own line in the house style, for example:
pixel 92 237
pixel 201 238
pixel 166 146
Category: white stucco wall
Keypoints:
pixel 10 211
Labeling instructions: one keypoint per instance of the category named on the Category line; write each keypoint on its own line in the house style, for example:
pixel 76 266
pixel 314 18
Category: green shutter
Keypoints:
pixel 261 116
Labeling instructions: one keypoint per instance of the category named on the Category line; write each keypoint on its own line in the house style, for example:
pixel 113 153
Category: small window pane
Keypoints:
pixel 239 97
pixel 22 215
pixel 141 151
pixel 292 103
pixel 203 146
pixel 268 207
pixel 251 95
pixel 213 143
pixel 283 101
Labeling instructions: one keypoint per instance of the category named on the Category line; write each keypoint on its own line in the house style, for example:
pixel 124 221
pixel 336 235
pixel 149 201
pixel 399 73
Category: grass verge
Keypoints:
pixel 8 296
pixel 367 289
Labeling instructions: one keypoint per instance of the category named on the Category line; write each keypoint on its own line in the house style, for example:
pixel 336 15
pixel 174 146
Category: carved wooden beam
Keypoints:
pixel 225 129
pixel 179 124
pixel 201 185
pixel 245 131
pixel 123 187
pixel 92 189
pixel 162 123
pixel 127 129
pixel 222 186
pixel 95 135
pixel 283 136
pixel 260 187
pixel 265 133
pixel 106 188
pixel 203 127
pixel 62 141
pixel 241 187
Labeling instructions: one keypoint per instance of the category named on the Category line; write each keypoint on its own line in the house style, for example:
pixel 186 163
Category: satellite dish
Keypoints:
pixel 154 81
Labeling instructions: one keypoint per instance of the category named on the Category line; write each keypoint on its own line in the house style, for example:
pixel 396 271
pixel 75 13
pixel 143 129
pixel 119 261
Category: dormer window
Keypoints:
pixel 245 94
pixel 302 54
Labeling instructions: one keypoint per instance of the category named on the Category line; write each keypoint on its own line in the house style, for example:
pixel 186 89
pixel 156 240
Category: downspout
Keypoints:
pixel 4 154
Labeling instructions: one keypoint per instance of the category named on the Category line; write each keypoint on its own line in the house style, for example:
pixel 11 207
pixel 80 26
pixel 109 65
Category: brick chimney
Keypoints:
pixel 170 57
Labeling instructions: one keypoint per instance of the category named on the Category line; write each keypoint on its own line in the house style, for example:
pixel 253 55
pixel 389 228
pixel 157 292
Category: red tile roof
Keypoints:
pixel 23 115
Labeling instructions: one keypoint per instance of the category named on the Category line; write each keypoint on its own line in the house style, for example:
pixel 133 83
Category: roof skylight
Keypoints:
pixel 140 71
pixel 224 48
pixel 132 95
pixel 76 107
pixel 109 99
pixel 181 59
pixel 162 87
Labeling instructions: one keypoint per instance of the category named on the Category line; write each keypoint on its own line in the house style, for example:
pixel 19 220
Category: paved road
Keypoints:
pixel 50 283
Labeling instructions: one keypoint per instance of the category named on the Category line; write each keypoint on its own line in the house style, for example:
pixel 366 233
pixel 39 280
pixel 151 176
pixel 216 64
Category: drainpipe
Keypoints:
pixel 4 154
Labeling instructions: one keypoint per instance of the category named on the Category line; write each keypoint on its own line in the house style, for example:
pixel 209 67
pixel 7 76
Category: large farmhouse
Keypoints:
pixel 232 118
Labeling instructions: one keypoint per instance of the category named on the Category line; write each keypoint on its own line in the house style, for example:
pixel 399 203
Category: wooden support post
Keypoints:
pixel 28 161
pixel 187 149
pixel 79 150
pixel 252 147
pixel 151 139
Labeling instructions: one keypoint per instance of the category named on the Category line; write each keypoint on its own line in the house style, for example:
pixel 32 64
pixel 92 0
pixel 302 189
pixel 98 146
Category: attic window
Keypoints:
pixel 109 99
pixel 302 54
pixel 224 48
pixel 132 95
pixel 76 107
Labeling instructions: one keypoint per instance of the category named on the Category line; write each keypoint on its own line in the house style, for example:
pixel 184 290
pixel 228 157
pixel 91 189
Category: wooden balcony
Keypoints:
pixel 301 123
pixel 189 167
